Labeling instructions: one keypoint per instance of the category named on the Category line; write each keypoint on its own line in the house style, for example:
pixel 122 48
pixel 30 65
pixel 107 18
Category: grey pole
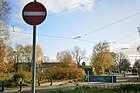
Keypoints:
pixel 112 82
pixel 88 78
pixel 33 60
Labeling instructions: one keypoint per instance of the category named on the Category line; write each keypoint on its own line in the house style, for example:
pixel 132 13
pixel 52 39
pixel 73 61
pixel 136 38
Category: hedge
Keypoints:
pixel 55 74
pixel 64 73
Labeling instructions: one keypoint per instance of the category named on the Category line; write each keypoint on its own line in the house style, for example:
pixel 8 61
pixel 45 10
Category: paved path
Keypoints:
pixel 61 85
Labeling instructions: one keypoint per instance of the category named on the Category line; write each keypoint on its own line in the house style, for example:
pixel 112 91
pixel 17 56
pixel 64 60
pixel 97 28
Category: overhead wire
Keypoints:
pixel 66 10
pixel 99 29
pixel 127 36
pixel 62 37
pixel 79 37
pixel 58 13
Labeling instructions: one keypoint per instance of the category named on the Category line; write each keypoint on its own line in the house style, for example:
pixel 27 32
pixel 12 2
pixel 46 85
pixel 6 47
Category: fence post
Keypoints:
pixel 38 81
pixel 2 86
pixel 20 86
pixel 51 81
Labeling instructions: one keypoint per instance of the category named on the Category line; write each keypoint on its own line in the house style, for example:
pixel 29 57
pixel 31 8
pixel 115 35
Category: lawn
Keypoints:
pixel 131 88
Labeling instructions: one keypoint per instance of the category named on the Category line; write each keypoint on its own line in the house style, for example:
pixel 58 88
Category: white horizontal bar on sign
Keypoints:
pixel 34 13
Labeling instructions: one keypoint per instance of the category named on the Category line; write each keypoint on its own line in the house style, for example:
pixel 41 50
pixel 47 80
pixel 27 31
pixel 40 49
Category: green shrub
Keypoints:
pixel 8 83
pixel 41 76
pixel 5 76
pixel 25 77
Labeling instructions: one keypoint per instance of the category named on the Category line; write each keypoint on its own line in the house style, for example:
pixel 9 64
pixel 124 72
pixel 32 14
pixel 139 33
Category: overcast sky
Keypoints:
pixel 115 21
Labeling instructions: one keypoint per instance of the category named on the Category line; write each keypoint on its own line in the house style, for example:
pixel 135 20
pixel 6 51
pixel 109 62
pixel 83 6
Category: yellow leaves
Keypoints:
pixel 2 50
pixel 101 58
pixel 39 51
pixel 65 59
pixel 3 68
pixel 9 67
pixel 65 73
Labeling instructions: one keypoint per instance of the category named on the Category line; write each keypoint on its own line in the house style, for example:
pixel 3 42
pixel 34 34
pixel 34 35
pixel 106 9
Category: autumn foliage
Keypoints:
pixel 101 58
pixel 65 73
pixel 3 68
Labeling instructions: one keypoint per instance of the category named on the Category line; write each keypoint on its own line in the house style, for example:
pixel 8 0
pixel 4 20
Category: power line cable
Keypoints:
pixel 77 38
pixel 123 19
pixel 55 37
pixel 66 10
pixel 62 37
pixel 87 41
pixel 127 36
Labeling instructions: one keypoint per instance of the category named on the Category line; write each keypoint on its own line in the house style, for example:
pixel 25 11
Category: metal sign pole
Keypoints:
pixel 33 60
pixel 112 82
pixel 88 78
pixel 34 13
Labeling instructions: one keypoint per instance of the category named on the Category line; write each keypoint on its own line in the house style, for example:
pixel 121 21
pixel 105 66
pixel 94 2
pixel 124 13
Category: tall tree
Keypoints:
pixel 65 59
pixel 2 50
pixel 39 55
pixel 28 55
pixel 18 56
pixel 101 58
pixel 23 54
pixel 9 58
pixel 4 35
pixel 125 65
pixel 121 62
pixel 78 55
pixel 4 11
pixel 4 17
pixel 2 56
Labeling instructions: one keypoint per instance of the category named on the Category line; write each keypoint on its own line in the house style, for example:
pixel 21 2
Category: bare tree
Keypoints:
pixel 4 11
pixel 121 62
pixel 78 55
pixel 18 56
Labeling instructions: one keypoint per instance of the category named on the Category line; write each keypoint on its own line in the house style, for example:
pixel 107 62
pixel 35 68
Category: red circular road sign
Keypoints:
pixel 34 13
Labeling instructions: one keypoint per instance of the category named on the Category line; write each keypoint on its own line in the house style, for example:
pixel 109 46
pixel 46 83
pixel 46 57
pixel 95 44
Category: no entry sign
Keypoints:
pixel 34 13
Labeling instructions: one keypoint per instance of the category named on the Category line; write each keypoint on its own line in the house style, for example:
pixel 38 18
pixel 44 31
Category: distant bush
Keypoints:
pixel 9 83
pixel 25 77
pixel 5 76
pixel 65 73
pixel 41 76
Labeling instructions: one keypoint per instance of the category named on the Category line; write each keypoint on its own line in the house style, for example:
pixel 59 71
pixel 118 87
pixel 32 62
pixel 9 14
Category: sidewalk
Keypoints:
pixel 47 87
pixel 62 85
pixel 41 87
